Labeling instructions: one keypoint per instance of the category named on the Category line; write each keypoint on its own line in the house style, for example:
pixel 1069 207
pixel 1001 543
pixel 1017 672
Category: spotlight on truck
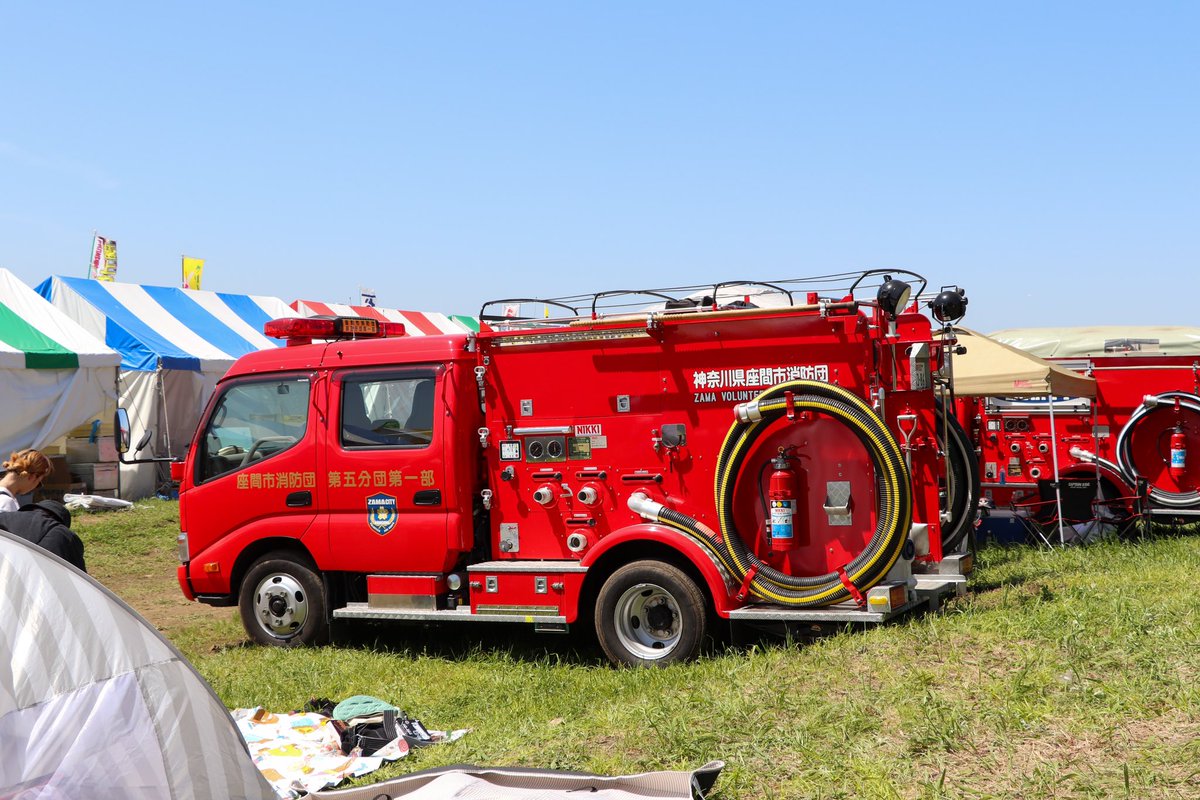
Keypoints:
pixel 893 295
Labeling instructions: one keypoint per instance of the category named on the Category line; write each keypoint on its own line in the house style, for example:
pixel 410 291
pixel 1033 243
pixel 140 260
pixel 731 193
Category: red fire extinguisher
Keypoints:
pixel 782 496
pixel 1178 463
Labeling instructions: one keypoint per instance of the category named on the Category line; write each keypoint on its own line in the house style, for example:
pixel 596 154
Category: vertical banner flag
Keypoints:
pixel 110 260
pixel 193 268
pixel 104 259
pixel 368 296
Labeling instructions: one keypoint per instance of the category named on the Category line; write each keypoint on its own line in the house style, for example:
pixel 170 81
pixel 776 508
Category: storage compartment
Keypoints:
pixel 96 476
pixel 83 451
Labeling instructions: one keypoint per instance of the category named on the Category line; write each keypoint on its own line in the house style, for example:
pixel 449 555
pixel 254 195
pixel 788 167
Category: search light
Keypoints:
pixel 950 305
pixel 893 295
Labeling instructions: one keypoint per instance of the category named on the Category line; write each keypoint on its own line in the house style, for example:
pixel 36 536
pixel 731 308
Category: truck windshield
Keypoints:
pixel 252 421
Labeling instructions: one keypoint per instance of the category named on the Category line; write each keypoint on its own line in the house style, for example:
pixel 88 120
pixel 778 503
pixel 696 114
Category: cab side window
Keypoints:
pixel 387 410
pixel 253 421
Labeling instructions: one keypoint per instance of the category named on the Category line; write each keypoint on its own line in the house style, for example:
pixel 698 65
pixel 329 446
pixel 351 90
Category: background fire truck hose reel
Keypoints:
pixel 1177 436
pixel 894 493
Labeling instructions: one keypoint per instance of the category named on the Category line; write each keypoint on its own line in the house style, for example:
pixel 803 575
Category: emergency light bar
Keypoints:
pixel 304 329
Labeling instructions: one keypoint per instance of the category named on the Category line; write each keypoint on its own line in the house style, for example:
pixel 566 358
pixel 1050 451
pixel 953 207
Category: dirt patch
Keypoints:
pixel 1056 761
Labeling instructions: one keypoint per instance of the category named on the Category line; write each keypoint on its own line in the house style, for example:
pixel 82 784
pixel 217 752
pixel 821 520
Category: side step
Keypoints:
pixel 541 622
pixel 931 591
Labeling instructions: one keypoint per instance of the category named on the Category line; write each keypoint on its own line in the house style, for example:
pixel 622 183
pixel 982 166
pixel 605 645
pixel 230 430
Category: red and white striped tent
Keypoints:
pixel 416 323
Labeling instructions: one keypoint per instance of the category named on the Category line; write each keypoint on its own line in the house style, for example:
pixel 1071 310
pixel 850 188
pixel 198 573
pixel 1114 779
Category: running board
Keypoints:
pixel 1161 511
pixel 931 591
pixel 546 622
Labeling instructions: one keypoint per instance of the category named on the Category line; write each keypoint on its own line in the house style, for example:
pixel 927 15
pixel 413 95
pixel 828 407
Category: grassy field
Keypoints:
pixel 1072 673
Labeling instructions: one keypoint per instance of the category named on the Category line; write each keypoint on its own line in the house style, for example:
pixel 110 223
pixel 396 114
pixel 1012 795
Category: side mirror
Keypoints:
pixel 122 435
pixel 121 426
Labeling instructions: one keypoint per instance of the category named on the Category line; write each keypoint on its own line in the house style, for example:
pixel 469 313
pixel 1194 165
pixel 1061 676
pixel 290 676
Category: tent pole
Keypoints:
pixel 117 399
pixel 1062 536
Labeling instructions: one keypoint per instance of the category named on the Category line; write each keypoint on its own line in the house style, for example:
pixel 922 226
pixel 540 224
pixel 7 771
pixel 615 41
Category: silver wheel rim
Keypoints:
pixel 648 622
pixel 280 605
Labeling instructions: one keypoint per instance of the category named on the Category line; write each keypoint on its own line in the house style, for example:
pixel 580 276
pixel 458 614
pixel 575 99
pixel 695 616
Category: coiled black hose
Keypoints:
pixel 893 494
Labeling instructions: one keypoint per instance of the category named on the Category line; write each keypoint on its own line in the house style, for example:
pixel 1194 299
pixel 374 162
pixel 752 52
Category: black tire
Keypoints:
pixel 282 602
pixel 650 614
pixel 963 484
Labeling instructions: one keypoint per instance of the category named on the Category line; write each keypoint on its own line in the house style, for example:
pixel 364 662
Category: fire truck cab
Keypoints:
pixel 644 464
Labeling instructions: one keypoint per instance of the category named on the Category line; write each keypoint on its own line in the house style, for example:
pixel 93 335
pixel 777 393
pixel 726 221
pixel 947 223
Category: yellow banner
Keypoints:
pixel 110 261
pixel 104 259
pixel 192 270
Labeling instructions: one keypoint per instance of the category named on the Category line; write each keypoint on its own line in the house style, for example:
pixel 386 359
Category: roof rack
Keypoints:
pixel 527 312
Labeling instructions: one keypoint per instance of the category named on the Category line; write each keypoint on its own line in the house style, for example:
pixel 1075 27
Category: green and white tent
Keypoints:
pixel 54 375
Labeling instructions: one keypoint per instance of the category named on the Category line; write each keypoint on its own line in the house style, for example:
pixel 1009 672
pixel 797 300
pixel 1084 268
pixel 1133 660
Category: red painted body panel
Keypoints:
pixel 693 374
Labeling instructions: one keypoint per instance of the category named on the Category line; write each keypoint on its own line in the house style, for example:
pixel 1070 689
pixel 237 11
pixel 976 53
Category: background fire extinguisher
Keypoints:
pixel 1178 462
pixel 782 497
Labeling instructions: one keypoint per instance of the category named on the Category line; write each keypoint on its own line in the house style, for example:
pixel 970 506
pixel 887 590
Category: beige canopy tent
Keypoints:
pixel 992 369
pixel 1102 340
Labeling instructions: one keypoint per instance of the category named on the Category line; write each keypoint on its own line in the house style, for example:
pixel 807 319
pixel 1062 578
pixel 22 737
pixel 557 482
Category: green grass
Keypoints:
pixel 1063 674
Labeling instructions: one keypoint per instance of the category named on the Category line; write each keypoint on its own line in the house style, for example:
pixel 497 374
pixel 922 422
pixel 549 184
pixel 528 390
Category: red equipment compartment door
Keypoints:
pixel 384 476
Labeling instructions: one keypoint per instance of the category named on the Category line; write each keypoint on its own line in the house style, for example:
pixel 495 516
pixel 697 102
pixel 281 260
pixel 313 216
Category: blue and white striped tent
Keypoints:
pixel 174 345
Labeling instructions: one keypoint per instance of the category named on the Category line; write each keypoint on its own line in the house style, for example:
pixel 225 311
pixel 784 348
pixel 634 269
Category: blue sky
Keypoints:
pixel 1046 157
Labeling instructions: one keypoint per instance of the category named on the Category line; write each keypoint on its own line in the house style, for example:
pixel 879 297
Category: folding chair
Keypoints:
pixel 1041 517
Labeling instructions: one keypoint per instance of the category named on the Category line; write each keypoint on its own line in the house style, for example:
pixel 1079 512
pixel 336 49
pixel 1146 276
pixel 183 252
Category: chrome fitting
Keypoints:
pixel 641 504
pixel 747 412
pixel 1082 455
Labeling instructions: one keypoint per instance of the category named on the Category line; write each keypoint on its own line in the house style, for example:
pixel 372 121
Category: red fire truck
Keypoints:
pixel 1121 455
pixel 640 462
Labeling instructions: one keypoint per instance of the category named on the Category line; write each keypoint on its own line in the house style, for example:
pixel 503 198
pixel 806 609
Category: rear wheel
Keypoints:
pixel 283 604
pixel 650 614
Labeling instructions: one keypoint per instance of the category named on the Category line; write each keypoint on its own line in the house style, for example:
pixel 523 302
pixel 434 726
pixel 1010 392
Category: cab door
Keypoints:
pixel 384 475
pixel 254 473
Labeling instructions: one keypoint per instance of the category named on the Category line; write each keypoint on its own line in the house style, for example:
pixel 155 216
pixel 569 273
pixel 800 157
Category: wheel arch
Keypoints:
pixel 637 546
pixel 258 548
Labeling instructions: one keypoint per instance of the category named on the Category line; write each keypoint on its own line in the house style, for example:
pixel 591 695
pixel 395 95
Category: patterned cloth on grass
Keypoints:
pixel 300 753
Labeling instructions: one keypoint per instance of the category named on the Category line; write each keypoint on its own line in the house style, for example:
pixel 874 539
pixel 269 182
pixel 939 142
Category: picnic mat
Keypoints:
pixel 302 752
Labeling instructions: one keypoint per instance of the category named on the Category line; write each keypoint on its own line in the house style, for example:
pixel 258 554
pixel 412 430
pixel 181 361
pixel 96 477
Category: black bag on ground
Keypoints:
pixel 374 732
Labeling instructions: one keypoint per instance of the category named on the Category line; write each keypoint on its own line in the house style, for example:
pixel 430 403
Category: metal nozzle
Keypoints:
pixel 643 506
pixel 747 412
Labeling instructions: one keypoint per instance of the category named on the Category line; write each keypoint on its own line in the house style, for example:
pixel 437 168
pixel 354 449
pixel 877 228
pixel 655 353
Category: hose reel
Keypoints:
pixel 893 496
pixel 1152 403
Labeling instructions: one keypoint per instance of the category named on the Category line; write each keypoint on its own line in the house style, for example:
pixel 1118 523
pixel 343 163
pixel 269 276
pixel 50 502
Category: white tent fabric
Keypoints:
pixel 175 345
pixel 55 375
pixel 95 703
pixel 533 784
pixel 1103 340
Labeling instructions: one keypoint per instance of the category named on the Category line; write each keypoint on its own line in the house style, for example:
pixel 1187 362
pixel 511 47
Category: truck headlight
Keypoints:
pixel 181 544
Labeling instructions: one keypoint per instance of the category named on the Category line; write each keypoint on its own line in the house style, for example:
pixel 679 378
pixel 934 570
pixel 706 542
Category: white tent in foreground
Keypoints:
pixel 95 704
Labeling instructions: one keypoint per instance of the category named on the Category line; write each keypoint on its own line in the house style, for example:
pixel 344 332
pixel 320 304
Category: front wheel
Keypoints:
pixel 282 603
pixel 650 614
